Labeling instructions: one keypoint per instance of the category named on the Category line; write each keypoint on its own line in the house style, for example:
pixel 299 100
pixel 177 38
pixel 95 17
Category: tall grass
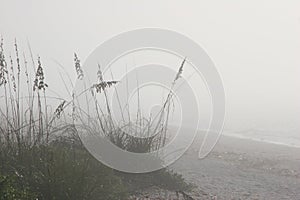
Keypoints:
pixel 41 155
pixel 42 150
pixel 138 134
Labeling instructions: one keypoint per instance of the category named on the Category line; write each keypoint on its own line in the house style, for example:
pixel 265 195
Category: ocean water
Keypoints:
pixel 280 137
pixel 288 138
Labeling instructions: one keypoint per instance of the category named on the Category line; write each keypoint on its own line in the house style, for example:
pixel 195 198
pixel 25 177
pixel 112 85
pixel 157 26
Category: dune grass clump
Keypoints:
pixel 139 134
pixel 41 156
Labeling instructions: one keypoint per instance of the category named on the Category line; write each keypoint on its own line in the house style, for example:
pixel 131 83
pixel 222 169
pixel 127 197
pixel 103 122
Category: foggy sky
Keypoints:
pixel 254 44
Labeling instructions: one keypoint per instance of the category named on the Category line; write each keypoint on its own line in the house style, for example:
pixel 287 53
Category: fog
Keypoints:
pixel 254 44
pixel 61 139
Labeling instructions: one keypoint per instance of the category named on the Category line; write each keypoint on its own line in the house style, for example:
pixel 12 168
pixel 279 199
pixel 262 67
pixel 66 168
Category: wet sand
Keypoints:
pixel 242 169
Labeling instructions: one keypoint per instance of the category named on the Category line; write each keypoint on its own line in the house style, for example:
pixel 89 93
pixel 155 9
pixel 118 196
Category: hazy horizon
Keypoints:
pixel 254 44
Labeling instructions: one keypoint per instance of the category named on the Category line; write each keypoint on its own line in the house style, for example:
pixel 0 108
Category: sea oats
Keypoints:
pixel 101 85
pixel 104 84
pixel 180 71
pixel 12 74
pixel 3 65
pixel 78 68
pixel 59 109
pixel 17 57
pixel 39 77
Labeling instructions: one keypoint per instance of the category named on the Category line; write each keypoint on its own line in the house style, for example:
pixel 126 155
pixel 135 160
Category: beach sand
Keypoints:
pixel 242 169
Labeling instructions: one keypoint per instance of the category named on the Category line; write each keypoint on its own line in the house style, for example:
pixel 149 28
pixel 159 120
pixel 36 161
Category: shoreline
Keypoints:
pixel 260 140
pixel 240 168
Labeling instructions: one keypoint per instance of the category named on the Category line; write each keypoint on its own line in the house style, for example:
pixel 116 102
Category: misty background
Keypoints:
pixel 254 44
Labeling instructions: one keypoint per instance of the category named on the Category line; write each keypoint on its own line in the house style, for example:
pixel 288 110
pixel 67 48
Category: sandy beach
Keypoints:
pixel 243 169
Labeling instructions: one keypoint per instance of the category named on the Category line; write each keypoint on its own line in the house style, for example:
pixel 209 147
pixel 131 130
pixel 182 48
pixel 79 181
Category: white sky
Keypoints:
pixel 255 44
